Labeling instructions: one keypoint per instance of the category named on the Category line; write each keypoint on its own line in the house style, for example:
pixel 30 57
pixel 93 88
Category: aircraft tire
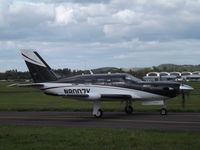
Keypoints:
pixel 99 114
pixel 163 111
pixel 128 109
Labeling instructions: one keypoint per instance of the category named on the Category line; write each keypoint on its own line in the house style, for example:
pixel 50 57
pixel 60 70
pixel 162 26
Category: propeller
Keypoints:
pixel 183 100
pixel 183 95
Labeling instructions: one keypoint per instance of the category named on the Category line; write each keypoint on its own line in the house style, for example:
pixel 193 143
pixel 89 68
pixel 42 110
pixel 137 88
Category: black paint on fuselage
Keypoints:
pixel 168 89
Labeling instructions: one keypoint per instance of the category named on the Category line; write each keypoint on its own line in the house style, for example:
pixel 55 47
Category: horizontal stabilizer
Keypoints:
pixel 36 85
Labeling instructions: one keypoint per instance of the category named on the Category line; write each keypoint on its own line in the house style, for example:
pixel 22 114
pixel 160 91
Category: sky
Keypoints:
pixel 88 34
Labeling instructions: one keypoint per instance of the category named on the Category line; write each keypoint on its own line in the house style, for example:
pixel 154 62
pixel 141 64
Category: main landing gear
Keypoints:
pixel 164 110
pixel 128 108
pixel 97 112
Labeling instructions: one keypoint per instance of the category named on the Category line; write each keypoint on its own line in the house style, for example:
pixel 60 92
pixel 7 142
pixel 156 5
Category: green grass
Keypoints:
pixel 40 138
pixel 32 99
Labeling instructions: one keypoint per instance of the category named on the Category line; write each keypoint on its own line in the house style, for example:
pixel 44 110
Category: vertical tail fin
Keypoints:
pixel 38 68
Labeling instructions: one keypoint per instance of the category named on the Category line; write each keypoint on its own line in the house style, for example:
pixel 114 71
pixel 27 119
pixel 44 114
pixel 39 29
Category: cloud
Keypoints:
pixel 155 53
pixel 115 31
pixel 64 15
pixel 158 20
pixel 127 17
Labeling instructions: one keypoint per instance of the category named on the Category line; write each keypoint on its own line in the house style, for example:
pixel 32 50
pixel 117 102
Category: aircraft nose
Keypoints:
pixel 186 88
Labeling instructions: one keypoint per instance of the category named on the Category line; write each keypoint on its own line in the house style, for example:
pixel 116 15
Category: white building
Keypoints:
pixel 177 74
pixel 152 76
pixel 196 73
pixel 172 76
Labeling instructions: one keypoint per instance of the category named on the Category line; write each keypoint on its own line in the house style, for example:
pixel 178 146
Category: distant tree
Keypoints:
pixel 66 72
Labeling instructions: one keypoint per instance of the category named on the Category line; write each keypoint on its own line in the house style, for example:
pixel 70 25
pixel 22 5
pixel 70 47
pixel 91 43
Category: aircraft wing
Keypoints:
pixel 77 95
pixel 35 85
pixel 100 96
pixel 116 96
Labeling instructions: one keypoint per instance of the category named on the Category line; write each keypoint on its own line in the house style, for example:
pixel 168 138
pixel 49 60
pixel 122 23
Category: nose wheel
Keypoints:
pixel 99 113
pixel 128 109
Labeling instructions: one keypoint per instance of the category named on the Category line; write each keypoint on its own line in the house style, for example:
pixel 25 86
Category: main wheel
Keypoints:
pixel 129 109
pixel 99 113
pixel 163 111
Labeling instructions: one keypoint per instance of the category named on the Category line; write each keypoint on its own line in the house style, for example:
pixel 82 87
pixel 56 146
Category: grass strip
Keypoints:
pixel 40 138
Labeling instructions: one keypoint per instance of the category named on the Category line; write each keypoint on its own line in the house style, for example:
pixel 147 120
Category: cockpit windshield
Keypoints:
pixel 132 78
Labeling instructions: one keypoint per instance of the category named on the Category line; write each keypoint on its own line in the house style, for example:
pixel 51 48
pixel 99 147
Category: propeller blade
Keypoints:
pixel 183 100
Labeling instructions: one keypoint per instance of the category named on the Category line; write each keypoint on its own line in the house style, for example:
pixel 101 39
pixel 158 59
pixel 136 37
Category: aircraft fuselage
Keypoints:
pixel 111 87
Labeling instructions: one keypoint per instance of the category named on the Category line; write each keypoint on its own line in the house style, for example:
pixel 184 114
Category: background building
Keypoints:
pixel 173 76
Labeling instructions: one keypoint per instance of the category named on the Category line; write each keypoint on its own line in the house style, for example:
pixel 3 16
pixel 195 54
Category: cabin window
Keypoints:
pixel 112 81
pixel 117 81
pixel 99 81
pixel 88 81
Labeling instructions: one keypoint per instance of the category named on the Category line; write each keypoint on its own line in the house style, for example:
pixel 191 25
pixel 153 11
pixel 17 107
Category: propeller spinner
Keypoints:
pixel 185 89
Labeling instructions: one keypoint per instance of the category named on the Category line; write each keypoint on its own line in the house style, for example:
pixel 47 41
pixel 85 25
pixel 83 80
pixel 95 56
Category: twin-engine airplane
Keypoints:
pixel 100 87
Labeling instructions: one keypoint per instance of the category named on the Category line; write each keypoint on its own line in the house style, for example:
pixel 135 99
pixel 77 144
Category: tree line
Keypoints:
pixel 66 72
pixel 19 75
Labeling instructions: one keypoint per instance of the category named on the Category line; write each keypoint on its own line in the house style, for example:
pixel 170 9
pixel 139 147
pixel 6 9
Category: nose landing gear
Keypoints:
pixel 128 108
pixel 97 111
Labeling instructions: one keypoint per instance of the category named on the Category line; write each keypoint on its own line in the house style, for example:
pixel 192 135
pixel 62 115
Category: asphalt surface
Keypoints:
pixel 117 120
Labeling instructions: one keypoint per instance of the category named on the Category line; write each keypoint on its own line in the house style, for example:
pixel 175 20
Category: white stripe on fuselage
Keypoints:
pixel 65 88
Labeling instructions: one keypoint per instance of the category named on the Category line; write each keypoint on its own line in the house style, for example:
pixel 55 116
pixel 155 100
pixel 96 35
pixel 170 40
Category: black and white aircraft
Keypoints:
pixel 100 87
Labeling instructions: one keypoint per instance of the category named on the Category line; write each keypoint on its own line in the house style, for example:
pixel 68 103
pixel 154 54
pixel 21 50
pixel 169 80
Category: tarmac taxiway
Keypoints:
pixel 118 120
